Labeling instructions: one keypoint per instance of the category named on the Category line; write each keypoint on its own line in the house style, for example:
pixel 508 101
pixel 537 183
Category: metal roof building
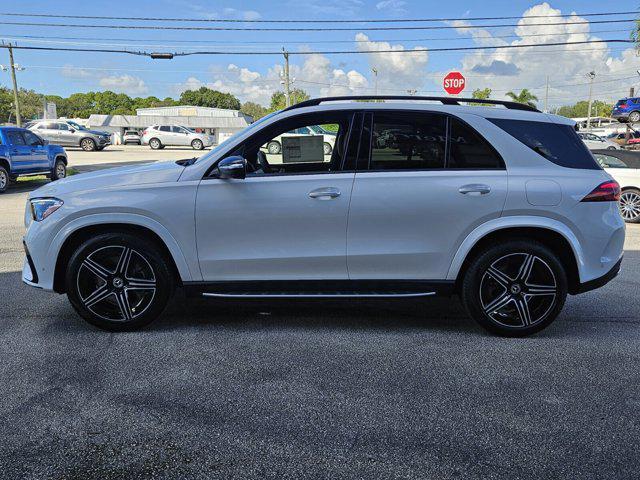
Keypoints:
pixel 219 122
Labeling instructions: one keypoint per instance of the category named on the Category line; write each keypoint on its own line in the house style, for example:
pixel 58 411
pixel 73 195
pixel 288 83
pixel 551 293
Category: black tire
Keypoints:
pixel 88 144
pixel 155 144
pixel 630 205
pixel 274 147
pixel 538 293
pixel 634 117
pixel 99 270
pixel 197 144
pixel 4 179
pixel 59 170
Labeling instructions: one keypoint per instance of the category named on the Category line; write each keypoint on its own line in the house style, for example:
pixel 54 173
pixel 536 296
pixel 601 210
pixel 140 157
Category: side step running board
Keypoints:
pixel 317 295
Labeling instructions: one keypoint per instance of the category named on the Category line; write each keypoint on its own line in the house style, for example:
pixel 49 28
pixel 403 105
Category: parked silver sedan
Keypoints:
pixel 71 134
pixel 160 136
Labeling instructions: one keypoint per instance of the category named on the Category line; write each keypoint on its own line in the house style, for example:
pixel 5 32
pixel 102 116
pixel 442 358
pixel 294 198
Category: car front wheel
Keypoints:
pixel 88 144
pixel 274 148
pixel 197 144
pixel 515 288
pixel 59 170
pixel 4 179
pixel 118 281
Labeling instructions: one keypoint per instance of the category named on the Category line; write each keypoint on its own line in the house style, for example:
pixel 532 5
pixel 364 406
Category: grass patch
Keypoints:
pixel 40 178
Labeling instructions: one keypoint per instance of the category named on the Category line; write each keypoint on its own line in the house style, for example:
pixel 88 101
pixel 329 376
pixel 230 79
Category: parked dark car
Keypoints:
pixel 627 110
pixel 22 152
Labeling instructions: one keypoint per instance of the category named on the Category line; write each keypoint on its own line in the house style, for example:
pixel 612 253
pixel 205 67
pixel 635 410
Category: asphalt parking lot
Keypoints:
pixel 300 389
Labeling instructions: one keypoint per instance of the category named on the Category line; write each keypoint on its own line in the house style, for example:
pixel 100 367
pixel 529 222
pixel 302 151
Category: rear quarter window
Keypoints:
pixel 557 143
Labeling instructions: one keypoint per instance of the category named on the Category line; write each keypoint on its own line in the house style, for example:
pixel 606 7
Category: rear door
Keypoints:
pixel 424 182
pixel 165 135
pixel 49 131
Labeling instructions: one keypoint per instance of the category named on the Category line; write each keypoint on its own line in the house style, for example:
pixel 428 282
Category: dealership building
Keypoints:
pixel 221 123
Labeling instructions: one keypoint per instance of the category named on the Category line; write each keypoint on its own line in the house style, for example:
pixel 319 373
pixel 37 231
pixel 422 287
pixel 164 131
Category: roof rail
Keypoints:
pixel 444 100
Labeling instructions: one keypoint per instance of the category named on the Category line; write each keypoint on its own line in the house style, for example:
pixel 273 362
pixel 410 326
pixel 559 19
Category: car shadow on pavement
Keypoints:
pixel 25 186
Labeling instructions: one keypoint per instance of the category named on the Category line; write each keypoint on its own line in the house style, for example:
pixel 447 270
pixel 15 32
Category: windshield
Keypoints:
pixel 234 137
pixel 75 125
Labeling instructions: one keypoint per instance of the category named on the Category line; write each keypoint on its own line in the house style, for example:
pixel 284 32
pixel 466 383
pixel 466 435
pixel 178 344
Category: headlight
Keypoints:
pixel 41 208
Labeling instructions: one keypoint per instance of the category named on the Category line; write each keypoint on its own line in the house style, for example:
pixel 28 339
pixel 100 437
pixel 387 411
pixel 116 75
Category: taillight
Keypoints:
pixel 624 105
pixel 608 191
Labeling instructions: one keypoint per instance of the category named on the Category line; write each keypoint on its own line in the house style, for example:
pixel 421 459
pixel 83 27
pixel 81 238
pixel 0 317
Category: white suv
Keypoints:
pixel 160 136
pixel 504 206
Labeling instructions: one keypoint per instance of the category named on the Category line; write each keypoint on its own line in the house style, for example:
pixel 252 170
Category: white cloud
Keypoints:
pixel 392 6
pixel 124 84
pixel 397 69
pixel 70 71
pixel 566 65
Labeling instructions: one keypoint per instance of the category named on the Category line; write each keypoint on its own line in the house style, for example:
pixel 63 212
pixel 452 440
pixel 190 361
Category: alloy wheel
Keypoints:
pixel 116 283
pixel 61 171
pixel 273 148
pixel 518 290
pixel 3 180
pixel 630 206
pixel 87 145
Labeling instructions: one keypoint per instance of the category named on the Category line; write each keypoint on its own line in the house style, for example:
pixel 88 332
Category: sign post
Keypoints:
pixel 454 83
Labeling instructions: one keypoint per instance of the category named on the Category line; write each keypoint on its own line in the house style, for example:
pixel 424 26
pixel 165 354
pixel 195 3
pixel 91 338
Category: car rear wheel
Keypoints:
pixel 197 144
pixel 4 179
pixel 118 281
pixel 59 170
pixel 88 144
pixel 274 148
pixel 515 288
pixel 155 144
pixel 634 117
pixel 630 205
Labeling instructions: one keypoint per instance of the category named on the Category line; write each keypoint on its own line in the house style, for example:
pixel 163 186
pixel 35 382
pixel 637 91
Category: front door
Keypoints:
pixel 66 136
pixel 285 220
pixel 418 193
pixel 38 152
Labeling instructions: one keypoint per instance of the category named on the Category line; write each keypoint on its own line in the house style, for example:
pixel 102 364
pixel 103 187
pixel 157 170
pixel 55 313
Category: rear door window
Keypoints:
pixel 557 143
pixel 469 150
pixel 15 138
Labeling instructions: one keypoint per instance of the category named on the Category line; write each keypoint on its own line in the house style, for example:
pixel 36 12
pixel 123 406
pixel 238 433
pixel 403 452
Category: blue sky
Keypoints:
pixel 254 77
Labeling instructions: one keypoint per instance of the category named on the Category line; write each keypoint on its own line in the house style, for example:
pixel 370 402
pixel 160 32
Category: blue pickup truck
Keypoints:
pixel 22 152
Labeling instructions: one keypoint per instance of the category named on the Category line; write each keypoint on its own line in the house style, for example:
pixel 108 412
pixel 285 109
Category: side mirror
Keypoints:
pixel 45 142
pixel 72 130
pixel 232 167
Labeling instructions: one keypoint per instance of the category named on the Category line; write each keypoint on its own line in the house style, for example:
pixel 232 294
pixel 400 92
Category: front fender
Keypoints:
pixel 176 252
pixel 511 222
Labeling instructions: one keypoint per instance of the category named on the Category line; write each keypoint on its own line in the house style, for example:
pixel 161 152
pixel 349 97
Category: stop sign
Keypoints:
pixel 453 83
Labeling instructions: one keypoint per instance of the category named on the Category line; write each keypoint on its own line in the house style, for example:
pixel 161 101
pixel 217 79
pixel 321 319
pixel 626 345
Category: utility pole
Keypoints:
pixel 546 97
pixel 287 92
pixel 375 73
pixel 591 75
pixel 12 67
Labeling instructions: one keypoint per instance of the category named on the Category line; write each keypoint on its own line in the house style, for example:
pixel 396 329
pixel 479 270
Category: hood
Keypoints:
pixel 140 174
pixel 98 132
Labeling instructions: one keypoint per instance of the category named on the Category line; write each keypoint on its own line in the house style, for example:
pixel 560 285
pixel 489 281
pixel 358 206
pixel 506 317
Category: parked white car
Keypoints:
pixel 505 207
pixel 131 136
pixel 274 146
pixel 595 142
pixel 160 136
pixel 624 167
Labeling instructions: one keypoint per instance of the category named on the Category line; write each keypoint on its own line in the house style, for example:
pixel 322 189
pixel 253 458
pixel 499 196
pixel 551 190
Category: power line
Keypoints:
pixel 179 44
pixel 312 29
pixel 326 52
pixel 233 20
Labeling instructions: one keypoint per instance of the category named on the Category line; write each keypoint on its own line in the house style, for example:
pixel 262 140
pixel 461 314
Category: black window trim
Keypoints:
pixel 447 152
pixel 239 150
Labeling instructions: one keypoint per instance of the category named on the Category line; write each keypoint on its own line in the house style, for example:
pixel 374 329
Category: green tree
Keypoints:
pixel 254 110
pixel 279 101
pixel 525 96
pixel 481 94
pixel 581 109
pixel 206 97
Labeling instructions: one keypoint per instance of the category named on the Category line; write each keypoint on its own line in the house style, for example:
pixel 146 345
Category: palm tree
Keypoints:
pixel 525 97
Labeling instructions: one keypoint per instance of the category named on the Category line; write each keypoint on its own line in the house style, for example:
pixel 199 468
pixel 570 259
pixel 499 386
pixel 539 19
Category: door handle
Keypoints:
pixel 325 193
pixel 475 188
